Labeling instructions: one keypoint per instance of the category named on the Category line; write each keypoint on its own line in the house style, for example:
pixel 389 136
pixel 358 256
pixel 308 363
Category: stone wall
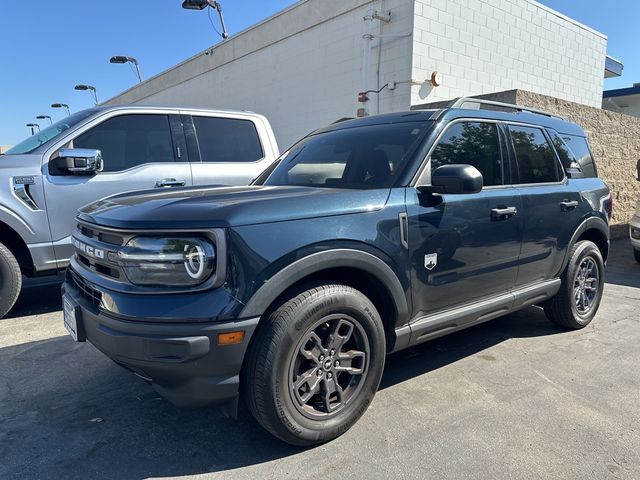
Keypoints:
pixel 614 139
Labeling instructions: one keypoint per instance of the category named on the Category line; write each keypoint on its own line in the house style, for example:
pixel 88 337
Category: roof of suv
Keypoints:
pixel 520 115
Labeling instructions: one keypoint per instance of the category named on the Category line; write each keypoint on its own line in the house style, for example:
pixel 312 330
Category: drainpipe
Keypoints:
pixel 367 38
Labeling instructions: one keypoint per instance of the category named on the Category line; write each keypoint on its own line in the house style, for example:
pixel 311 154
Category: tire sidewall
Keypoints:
pixel 10 280
pixel 312 310
pixel 585 249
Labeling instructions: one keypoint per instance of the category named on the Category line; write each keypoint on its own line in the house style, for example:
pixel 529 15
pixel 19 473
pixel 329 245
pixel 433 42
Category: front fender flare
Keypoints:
pixel 317 262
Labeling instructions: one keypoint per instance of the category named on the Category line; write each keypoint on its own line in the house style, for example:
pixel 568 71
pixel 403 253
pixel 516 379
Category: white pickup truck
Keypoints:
pixel 107 150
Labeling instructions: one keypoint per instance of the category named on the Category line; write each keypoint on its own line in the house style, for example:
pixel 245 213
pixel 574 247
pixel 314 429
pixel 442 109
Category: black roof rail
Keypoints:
pixel 478 102
pixel 343 119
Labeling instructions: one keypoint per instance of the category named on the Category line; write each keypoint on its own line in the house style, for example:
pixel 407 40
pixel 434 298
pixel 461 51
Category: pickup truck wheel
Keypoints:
pixel 315 364
pixel 577 302
pixel 10 280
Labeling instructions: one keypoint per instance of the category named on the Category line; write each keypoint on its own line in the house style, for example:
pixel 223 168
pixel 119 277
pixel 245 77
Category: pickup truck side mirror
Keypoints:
pixel 454 179
pixel 79 161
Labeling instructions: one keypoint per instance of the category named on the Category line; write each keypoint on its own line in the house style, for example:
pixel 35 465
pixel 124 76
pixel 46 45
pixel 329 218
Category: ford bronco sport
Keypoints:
pixel 366 237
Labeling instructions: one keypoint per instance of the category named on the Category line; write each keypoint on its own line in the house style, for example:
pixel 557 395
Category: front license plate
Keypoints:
pixel 70 321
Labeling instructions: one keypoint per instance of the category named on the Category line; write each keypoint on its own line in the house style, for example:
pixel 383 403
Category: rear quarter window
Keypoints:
pixel 581 151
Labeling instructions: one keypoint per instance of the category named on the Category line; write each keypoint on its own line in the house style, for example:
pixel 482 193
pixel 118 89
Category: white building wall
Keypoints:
pixel 485 46
pixel 301 68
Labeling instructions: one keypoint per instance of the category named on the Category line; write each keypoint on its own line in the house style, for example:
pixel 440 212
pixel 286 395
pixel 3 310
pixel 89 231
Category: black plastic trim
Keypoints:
pixel 316 262
pixel 442 323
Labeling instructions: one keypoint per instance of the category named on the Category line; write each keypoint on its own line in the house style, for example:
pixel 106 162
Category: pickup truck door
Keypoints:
pixel 465 247
pixel 140 151
pixel 226 149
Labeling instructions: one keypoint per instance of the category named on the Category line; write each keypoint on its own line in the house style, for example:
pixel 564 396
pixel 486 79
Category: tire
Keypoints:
pixel 636 255
pixel 578 299
pixel 10 280
pixel 294 344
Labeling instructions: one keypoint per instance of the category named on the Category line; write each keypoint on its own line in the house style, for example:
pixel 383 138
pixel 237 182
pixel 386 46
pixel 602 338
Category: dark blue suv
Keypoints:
pixel 366 237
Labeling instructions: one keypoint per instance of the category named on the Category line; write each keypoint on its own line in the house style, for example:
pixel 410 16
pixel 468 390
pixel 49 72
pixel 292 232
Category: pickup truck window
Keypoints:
pixel 49 133
pixel 127 141
pixel 472 143
pixel 227 140
pixel 360 158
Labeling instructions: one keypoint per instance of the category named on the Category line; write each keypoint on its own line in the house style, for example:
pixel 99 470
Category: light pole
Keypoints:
pixel 62 105
pixel 33 127
pixel 201 5
pixel 91 88
pixel 45 117
pixel 123 59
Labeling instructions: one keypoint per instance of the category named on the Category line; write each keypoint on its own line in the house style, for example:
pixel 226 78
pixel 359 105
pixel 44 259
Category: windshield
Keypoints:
pixel 362 157
pixel 49 133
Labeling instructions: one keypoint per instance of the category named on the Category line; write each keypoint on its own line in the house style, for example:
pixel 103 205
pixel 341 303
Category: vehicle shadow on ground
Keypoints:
pixel 87 417
pixel 38 296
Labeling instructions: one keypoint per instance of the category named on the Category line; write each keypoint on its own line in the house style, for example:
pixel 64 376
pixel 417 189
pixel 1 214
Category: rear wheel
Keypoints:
pixel 10 280
pixel 578 299
pixel 315 364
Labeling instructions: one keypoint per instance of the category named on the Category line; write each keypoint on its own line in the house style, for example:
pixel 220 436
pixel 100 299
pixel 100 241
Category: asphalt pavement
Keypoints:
pixel 515 398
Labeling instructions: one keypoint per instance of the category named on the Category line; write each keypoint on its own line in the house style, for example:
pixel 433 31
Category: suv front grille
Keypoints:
pixel 86 291
pixel 101 236
pixel 93 239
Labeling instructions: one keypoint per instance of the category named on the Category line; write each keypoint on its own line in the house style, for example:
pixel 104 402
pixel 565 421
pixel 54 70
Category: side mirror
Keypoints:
pixel 79 161
pixel 454 179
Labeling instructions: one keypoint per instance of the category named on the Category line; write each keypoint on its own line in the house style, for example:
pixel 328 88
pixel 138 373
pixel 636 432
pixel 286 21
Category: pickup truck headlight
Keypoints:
pixel 167 261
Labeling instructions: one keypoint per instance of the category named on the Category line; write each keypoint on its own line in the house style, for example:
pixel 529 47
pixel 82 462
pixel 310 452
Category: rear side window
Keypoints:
pixel 536 159
pixel 127 141
pixel 580 149
pixel 227 140
pixel 472 143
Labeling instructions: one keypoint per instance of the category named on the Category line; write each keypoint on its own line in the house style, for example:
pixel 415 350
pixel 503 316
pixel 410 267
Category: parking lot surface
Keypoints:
pixel 513 398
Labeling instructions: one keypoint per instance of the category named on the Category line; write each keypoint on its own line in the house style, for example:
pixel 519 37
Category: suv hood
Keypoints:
pixel 218 207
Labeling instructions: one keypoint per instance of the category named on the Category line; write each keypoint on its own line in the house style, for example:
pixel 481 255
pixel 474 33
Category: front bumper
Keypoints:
pixel 183 361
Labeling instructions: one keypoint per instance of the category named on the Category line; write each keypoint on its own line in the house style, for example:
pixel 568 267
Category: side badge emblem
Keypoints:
pixel 430 261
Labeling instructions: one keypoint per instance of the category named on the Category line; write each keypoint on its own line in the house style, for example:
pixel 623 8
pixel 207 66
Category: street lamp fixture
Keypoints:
pixel 123 59
pixel 91 88
pixel 201 5
pixel 62 105
pixel 45 117
pixel 33 127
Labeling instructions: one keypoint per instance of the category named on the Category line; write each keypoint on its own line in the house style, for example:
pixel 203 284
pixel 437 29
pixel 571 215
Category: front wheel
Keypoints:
pixel 315 364
pixel 10 280
pixel 578 299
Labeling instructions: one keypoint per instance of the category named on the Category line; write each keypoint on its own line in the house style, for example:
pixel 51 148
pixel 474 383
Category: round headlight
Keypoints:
pixel 168 261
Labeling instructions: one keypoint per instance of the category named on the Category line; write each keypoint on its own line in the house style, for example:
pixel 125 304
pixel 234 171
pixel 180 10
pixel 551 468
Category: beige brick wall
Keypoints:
pixel 614 139
pixel 615 143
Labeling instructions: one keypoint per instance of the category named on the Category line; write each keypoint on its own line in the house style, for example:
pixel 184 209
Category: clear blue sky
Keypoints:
pixel 46 47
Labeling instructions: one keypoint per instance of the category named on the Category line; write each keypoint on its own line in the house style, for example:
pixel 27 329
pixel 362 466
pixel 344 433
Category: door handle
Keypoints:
pixel 170 182
pixel 502 213
pixel 568 205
